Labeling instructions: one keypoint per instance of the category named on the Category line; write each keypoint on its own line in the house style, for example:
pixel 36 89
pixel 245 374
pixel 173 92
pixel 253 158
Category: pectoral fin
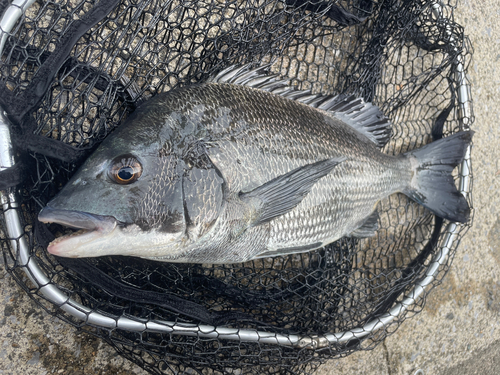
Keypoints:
pixel 283 193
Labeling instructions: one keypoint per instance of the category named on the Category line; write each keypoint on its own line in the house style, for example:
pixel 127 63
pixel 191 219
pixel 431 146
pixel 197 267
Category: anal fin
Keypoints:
pixel 369 227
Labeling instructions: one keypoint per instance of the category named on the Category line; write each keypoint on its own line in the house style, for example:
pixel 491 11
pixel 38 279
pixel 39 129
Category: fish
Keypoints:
pixel 244 166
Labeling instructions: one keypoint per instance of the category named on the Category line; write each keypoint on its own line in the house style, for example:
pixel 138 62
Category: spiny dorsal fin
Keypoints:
pixel 258 78
pixel 354 111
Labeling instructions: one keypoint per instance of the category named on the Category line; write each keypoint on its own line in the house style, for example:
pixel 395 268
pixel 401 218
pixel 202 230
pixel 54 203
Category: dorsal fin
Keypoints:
pixel 258 78
pixel 366 118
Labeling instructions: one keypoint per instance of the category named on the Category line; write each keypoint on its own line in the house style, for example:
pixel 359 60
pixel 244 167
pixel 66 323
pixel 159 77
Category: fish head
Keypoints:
pixel 149 190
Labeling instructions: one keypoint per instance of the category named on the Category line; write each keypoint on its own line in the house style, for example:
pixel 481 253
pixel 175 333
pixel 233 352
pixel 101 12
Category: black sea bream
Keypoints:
pixel 243 167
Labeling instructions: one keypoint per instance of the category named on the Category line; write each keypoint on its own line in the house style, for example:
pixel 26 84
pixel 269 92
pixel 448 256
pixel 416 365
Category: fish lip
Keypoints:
pixel 91 226
pixel 78 219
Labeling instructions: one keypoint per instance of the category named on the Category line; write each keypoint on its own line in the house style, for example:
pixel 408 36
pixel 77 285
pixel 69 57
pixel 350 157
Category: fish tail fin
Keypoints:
pixel 433 185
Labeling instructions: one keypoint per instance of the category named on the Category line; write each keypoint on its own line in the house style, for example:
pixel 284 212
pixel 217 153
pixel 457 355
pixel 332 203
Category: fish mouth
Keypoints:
pixel 90 227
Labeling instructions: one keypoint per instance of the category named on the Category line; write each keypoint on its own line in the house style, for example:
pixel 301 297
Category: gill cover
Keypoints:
pixel 153 171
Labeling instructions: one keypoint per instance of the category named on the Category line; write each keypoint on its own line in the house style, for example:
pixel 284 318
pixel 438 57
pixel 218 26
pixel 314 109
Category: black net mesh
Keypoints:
pixel 71 71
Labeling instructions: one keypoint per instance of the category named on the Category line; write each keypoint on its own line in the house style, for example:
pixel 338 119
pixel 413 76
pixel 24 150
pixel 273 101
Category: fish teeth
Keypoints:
pixel 73 234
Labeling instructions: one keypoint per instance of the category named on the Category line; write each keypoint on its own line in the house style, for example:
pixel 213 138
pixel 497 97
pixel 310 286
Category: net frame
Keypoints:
pixel 91 317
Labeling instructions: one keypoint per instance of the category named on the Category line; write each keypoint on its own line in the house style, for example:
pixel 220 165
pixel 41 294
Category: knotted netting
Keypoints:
pixel 72 71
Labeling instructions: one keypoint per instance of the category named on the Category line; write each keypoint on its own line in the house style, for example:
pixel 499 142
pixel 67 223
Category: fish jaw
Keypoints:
pixel 70 246
pixel 92 229
pixel 104 235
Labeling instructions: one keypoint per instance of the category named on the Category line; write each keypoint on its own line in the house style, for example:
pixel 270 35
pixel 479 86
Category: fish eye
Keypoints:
pixel 125 169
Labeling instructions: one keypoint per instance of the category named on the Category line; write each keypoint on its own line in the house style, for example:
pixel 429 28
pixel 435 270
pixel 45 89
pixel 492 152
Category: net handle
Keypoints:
pixel 52 293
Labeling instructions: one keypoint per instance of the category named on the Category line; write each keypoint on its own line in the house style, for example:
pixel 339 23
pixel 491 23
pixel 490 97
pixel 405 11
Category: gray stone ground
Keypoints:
pixel 457 333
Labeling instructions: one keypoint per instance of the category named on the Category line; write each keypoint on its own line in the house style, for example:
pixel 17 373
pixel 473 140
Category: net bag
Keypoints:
pixel 72 71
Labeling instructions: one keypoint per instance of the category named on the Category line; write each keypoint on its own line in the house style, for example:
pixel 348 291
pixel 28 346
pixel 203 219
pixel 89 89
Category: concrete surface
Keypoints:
pixel 458 331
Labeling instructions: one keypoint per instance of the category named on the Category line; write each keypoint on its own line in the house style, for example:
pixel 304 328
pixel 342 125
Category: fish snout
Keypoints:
pixel 78 219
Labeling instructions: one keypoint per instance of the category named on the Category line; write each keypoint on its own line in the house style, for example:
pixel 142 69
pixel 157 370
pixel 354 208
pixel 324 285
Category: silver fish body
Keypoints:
pixel 230 172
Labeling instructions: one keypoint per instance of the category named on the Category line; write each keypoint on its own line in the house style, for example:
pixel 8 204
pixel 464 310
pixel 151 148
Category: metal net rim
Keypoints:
pixel 51 292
